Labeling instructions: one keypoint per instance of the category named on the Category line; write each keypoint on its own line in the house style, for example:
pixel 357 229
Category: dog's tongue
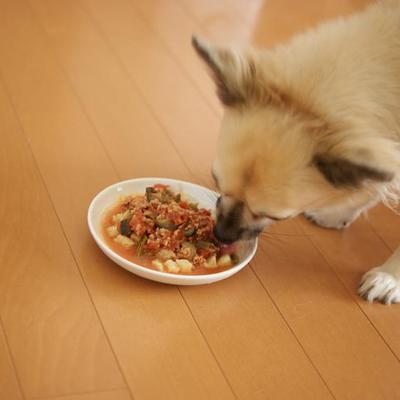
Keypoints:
pixel 228 248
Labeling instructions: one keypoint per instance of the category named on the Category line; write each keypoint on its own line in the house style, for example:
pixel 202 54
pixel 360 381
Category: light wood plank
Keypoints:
pixel 121 394
pixel 117 167
pixel 95 112
pixel 58 14
pixel 385 222
pixel 162 82
pixel 276 21
pixel 9 387
pixel 158 344
pixel 252 342
pixel 218 21
pixel 263 23
pixel 125 125
pixel 54 334
pixel 162 17
pixel 247 10
pixel 351 253
pixel 338 338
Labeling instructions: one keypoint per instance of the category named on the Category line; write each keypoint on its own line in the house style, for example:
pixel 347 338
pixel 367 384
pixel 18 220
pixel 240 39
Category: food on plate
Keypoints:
pixel 166 231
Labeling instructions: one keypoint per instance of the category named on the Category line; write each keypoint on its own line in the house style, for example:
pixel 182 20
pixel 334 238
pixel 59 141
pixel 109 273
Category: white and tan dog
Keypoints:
pixel 313 127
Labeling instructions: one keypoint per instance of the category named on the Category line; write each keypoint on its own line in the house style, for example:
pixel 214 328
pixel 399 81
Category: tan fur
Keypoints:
pixel 333 91
pixel 313 127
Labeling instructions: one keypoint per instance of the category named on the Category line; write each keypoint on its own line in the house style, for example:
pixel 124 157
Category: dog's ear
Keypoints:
pixel 350 164
pixel 233 72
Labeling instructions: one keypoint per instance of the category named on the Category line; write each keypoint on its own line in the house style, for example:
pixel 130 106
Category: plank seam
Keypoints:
pixel 294 334
pixel 8 350
pixel 353 296
pixel 23 134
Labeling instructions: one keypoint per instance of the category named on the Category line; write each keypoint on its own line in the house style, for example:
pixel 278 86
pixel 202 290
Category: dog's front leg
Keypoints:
pixel 383 283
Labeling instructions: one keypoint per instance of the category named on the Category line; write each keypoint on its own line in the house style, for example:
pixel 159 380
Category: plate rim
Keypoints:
pixel 185 278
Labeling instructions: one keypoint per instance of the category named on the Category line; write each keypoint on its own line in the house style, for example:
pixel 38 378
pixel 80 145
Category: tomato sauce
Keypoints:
pixel 144 261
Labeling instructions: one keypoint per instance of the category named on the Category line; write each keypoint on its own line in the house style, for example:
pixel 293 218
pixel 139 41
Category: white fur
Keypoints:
pixel 383 283
pixel 334 218
pixel 377 284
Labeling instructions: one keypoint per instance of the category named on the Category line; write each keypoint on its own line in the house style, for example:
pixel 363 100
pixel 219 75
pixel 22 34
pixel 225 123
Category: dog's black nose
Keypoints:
pixel 226 236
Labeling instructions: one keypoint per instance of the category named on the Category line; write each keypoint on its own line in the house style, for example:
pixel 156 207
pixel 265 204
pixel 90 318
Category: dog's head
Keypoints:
pixel 277 157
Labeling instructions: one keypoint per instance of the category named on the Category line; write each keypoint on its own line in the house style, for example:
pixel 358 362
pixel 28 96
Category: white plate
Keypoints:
pixel 206 198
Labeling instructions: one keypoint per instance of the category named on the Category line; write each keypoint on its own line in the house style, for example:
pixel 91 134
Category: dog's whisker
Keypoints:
pixel 271 237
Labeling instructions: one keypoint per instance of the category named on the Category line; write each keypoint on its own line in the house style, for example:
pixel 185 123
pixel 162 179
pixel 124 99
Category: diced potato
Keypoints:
pixel 188 250
pixel 112 231
pixel 165 254
pixel 224 261
pixel 171 266
pixel 184 265
pixel 124 241
pixel 211 262
pixel 120 216
pixel 158 264
pixel 117 218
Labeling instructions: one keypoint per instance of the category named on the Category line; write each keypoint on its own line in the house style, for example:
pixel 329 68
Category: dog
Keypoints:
pixel 311 127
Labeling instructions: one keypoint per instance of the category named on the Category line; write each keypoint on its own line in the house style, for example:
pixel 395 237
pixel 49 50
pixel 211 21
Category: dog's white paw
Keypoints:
pixel 377 284
pixel 330 220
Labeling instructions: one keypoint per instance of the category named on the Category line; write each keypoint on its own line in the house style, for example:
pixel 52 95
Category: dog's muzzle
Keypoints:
pixel 225 235
pixel 230 234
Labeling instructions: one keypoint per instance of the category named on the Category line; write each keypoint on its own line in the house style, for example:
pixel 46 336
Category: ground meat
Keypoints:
pixel 166 222
pixel 167 233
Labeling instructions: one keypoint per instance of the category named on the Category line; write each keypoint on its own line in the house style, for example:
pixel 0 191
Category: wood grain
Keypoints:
pixel 253 343
pixel 9 387
pixel 175 103
pixel 59 13
pixel 99 91
pixel 353 252
pixel 319 309
pixel 385 222
pixel 121 394
pixel 162 352
pixel 219 21
pixel 176 38
pixel 56 13
pixel 54 334
pixel 124 125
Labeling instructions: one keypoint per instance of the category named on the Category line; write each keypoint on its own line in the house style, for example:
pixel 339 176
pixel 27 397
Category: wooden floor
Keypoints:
pixel 96 91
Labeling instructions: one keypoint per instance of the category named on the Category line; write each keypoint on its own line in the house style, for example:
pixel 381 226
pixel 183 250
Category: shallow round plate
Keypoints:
pixel 206 199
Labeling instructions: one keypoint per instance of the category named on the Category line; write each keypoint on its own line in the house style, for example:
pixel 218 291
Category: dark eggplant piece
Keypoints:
pixel 150 194
pixel 125 228
pixel 189 232
pixel 166 224
pixel 167 196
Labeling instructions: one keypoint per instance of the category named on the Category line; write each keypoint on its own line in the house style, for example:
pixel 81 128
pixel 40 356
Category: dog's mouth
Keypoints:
pixel 231 225
pixel 231 235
